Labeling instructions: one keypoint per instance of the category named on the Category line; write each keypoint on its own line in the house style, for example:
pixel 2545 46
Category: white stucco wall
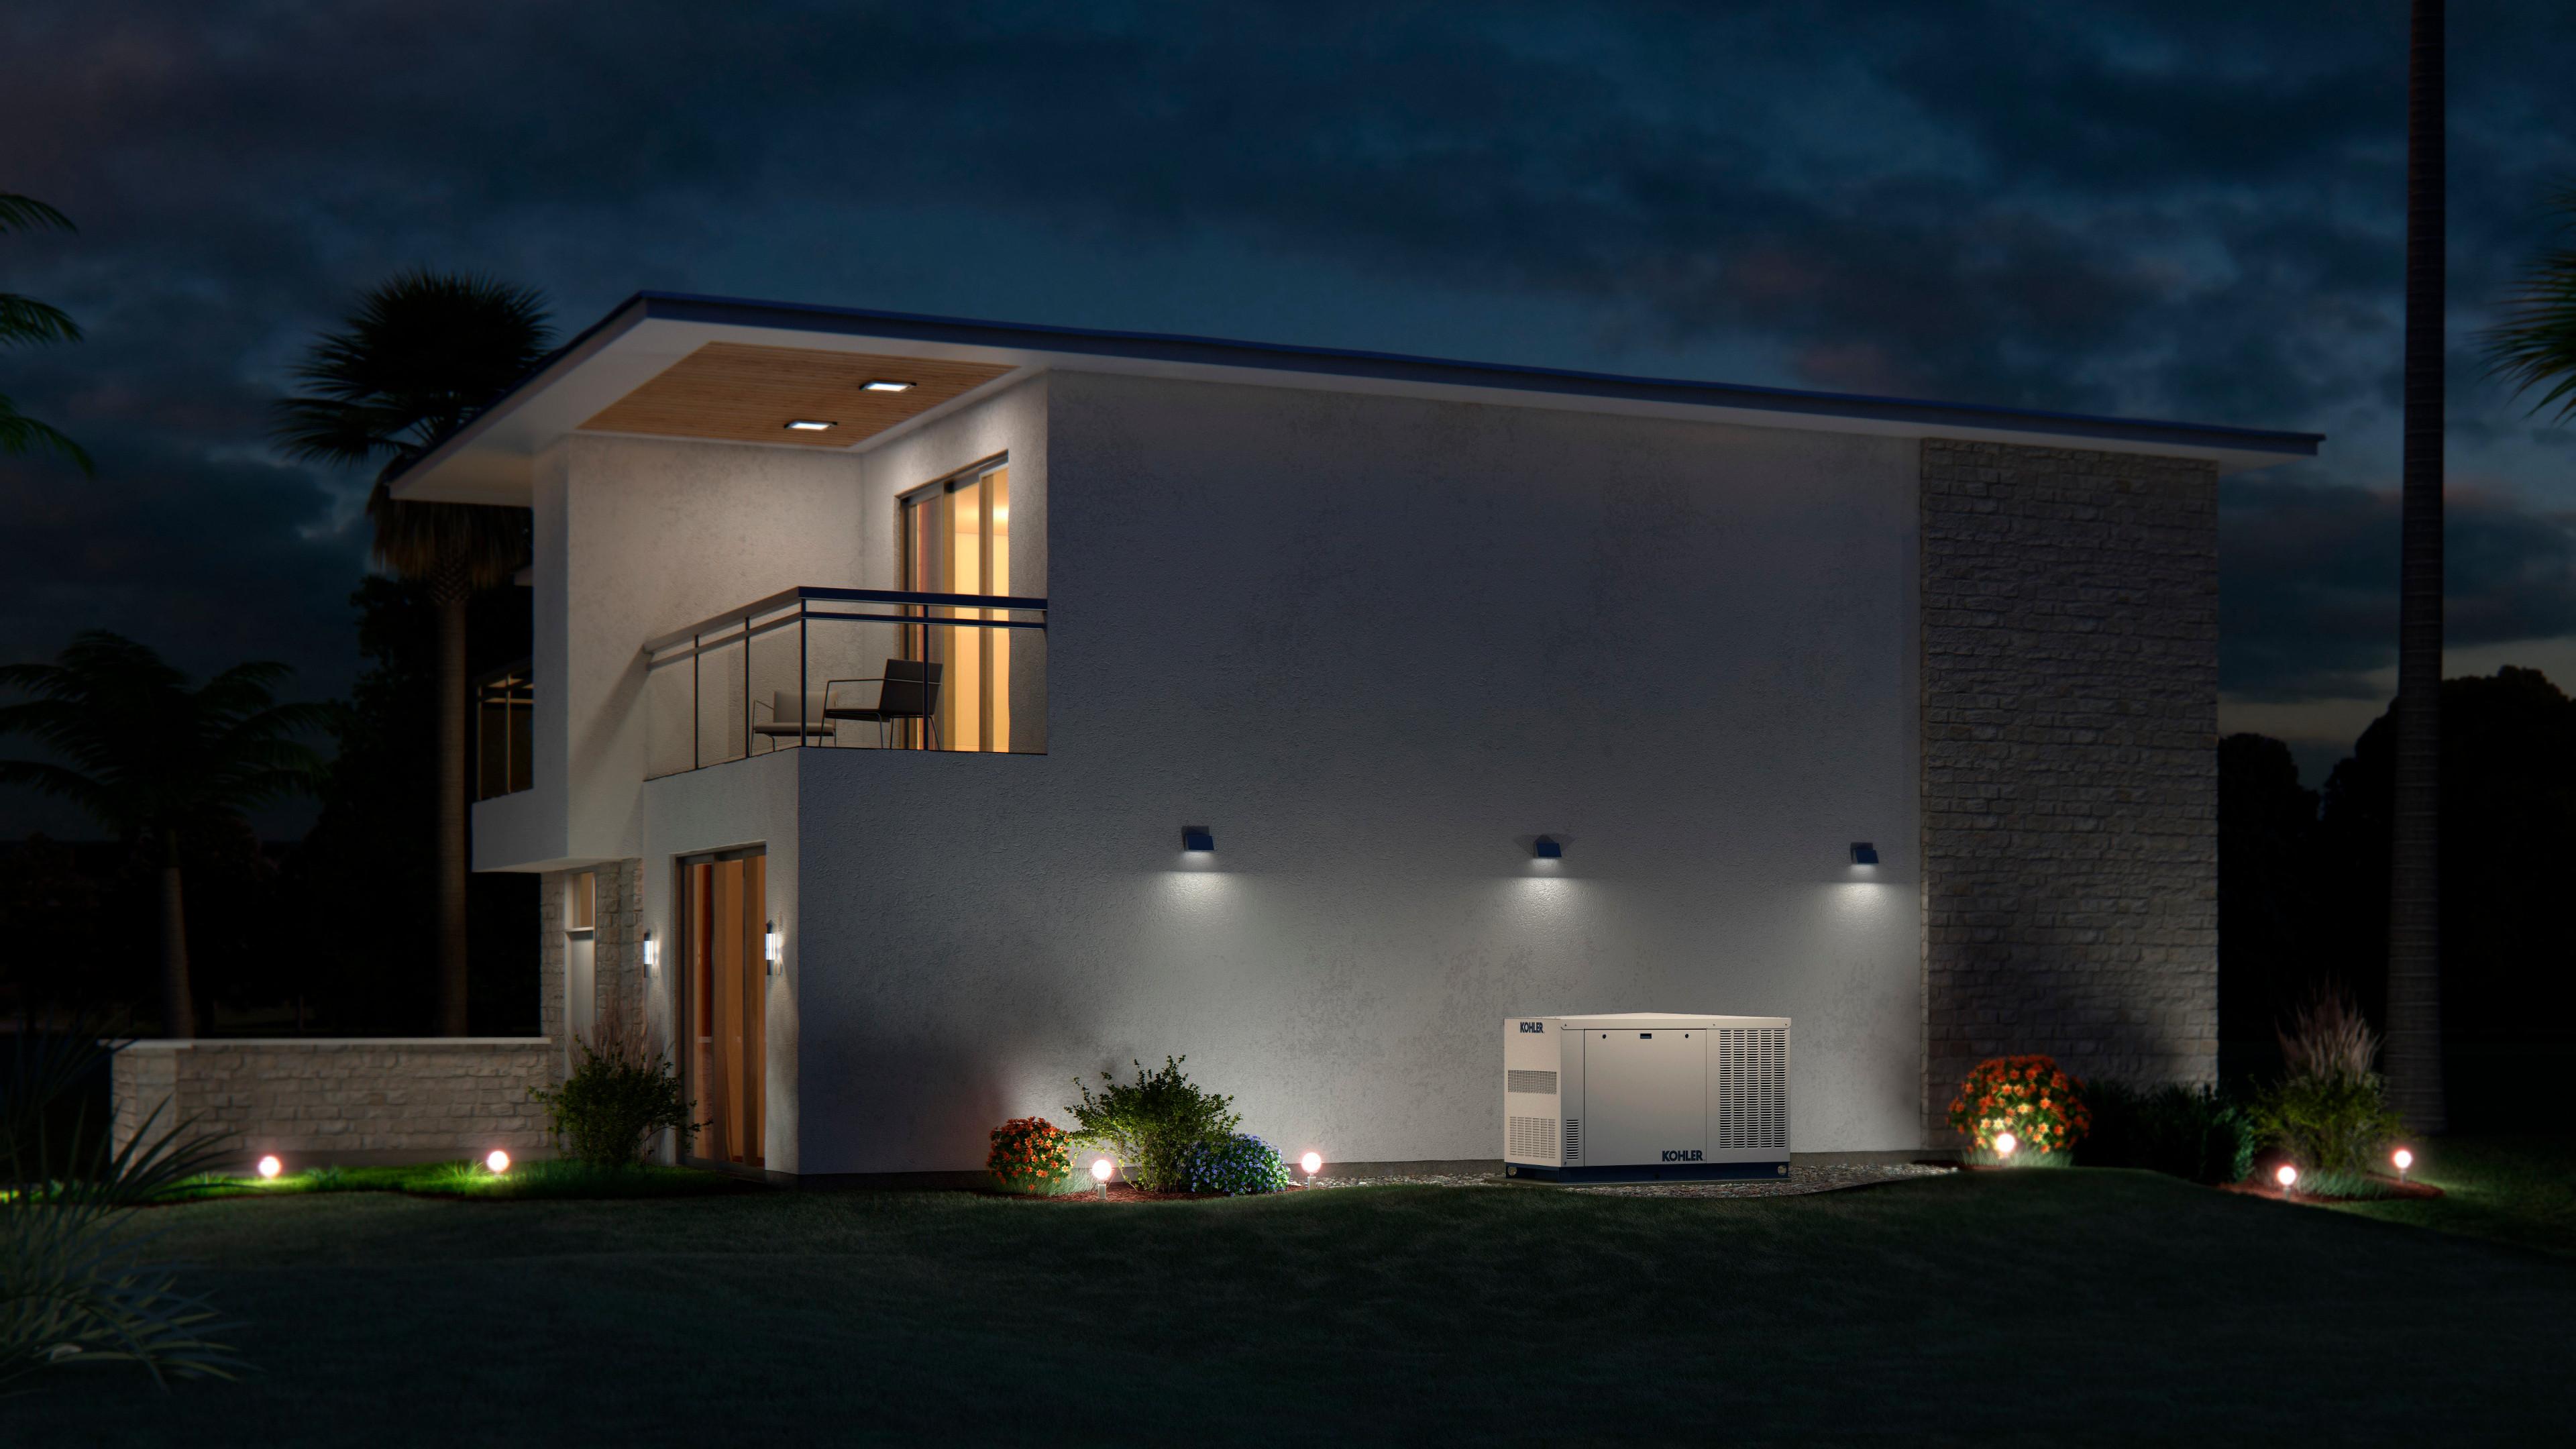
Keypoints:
pixel 1377 645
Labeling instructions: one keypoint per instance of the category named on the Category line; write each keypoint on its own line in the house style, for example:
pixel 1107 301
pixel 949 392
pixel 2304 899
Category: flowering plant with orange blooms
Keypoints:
pixel 2027 1096
pixel 1030 1154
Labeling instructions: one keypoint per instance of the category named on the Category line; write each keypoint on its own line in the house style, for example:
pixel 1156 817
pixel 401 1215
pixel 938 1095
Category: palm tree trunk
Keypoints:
pixel 450 597
pixel 2414 1055
pixel 178 1008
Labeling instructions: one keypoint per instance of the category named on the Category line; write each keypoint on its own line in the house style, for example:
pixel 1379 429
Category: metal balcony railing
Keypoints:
pixel 505 714
pixel 848 669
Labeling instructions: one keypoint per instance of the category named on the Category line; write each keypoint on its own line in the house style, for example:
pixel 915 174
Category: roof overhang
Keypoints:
pixel 582 387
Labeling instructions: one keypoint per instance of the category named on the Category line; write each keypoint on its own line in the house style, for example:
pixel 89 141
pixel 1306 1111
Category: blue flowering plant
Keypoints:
pixel 1235 1164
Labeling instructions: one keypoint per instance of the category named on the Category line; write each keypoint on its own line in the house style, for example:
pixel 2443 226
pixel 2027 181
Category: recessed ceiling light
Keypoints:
pixel 808 425
pixel 885 384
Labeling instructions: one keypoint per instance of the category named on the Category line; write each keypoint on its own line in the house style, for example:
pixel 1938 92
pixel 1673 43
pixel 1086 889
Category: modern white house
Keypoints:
pixel 927 713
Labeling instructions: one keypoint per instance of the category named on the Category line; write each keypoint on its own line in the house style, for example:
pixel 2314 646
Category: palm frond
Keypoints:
pixel 24 321
pixel 26 213
pixel 2535 345
pixel 20 434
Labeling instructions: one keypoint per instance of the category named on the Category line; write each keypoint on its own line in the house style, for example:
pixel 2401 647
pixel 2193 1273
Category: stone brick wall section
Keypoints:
pixel 2070 790
pixel 315 1100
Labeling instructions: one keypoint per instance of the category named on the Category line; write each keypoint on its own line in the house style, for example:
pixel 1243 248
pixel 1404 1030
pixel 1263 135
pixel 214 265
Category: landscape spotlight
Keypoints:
pixel 270 1167
pixel 1197 839
pixel 1864 853
pixel 2287 1177
pixel 2404 1160
pixel 1546 848
pixel 498 1162
pixel 2006 1144
pixel 1313 1162
pixel 1100 1170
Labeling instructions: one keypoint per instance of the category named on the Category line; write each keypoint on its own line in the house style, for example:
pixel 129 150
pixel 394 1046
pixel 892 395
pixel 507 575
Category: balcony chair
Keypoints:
pixel 785 721
pixel 908 690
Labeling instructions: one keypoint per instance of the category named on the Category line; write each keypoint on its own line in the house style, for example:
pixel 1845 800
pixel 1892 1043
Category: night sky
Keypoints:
pixel 2156 209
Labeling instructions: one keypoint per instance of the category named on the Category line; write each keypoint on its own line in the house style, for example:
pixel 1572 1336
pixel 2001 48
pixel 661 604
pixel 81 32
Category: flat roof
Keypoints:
pixel 488 460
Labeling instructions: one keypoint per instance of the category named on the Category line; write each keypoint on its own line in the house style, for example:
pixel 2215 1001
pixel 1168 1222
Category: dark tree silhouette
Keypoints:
pixel 25 322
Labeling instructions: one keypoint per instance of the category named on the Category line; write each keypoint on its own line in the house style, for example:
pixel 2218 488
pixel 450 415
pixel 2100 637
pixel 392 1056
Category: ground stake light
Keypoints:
pixel 2006 1145
pixel 499 1162
pixel 2287 1177
pixel 1313 1162
pixel 2404 1160
pixel 270 1167
pixel 1100 1170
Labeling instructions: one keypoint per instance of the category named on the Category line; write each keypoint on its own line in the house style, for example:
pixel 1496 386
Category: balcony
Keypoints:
pixel 824 668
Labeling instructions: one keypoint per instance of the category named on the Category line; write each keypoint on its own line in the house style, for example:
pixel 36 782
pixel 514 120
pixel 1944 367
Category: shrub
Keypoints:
pixel 1030 1154
pixel 605 1113
pixel 2329 1125
pixel 2027 1096
pixel 2327 1114
pixel 2188 1132
pixel 1152 1122
pixel 1236 1164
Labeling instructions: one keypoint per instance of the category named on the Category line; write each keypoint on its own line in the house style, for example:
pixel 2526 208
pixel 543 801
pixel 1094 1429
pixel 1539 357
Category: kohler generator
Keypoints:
pixel 1645 1096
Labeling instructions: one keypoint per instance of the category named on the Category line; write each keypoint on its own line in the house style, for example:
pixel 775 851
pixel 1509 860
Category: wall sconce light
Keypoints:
pixel 773 947
pixel 1546 848
pixel 1864 853
pixel 652 951
pixel 1197 838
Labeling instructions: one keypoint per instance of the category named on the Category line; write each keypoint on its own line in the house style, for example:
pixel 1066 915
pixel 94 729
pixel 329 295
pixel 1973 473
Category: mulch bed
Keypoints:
pixel 2391 1190
pixel 1128 1192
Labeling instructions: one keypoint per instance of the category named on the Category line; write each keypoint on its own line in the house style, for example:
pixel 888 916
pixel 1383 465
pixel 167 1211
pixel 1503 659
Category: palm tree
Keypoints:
pixel 26 322
pixel 2536 344
pixel 2414 1050
pixel 421 355
pixel 157 762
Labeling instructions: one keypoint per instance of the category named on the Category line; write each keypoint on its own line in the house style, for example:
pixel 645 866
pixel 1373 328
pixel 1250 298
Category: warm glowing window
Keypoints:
pixel 957 540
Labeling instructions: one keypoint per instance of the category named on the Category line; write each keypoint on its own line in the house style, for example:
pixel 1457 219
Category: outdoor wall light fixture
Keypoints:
pixel 270 1167
pixel 652 951
pixel 773 947
pixel 810 425
pixel 1197 839
pixel 1546 848
pixel 884 384
pixel 1864 853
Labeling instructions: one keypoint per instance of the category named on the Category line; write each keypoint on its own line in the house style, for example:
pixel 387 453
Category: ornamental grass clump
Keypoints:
pixel 1150 1124
pixel 1237 1164
pixel 2327 1113
pixel 2027 1096
pixel 1031 1155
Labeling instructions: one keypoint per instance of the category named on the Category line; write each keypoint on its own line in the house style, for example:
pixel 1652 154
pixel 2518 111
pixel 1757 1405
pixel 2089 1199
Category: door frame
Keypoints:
pixel 683 1001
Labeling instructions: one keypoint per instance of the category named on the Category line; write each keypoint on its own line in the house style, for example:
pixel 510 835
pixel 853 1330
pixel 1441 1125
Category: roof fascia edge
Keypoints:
pixel 1393 367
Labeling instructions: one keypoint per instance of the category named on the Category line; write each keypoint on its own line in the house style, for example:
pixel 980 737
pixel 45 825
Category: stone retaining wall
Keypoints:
pixel 2070 765
pixel 315 1100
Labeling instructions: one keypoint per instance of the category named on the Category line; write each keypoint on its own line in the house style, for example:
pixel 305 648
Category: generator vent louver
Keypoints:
pixel 1752 1088
pixel 1533 1137
pixel 1573 1140
pixel 1541 1084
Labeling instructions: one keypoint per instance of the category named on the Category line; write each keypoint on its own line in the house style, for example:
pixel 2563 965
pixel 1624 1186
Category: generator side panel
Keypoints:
pixel 1533 1093
pixel 1748 1092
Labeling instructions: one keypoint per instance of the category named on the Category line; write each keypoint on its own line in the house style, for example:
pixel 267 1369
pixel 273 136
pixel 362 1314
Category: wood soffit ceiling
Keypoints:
pixel 733 392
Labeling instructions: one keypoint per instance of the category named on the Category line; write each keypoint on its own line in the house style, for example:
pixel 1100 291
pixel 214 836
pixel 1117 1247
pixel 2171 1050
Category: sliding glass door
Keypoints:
pixel 723 901
pixel 957 540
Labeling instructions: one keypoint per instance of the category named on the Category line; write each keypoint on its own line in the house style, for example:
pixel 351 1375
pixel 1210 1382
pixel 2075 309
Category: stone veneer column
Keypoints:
pixel 617 958
pixel 2070 788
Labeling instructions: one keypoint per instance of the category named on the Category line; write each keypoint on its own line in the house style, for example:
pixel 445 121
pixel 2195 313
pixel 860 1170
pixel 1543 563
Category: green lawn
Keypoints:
pixel 2034 1307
